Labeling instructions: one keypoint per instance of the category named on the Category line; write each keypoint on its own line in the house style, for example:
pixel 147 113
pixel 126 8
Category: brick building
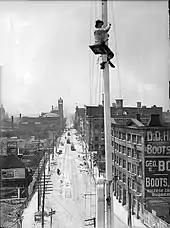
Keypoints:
pixel 129 129
pixel 140 153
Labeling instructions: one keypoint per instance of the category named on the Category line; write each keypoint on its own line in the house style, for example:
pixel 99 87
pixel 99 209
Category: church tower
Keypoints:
pixel 60 107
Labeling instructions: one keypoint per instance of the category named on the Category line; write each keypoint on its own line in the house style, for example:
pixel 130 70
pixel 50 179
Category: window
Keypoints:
pixel 133 168
pixel 133 153
pixel 120 148
pixel 117 159
pixel 129 137
pixel 120 175
pixel 134 138
pixel 139 139
pixel 96 138
pixel 138 171
pixel 124 149
pixel 129 166
pixel 133 185
pixel 112 143
pixel 129 182
pixel 120 161
pixel 120 135
pixel 138 154
pixel 124 164
pixel 124 178
pixel 139 189
pixel 123 136
pixel 128 152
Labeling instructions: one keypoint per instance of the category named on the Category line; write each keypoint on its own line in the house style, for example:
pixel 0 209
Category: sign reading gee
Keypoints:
pixel 157 163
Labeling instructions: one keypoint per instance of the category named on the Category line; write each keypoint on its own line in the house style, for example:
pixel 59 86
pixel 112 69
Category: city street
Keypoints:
pixel 68 197
pixel 73 193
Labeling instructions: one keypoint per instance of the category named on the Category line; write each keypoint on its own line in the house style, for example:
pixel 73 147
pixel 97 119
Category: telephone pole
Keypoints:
pixel 43 200
pixel 39 193
pixel 107 130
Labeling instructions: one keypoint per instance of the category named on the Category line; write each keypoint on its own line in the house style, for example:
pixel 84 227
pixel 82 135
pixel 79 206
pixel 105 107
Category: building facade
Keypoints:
pixel 94 123
pixel 14 178
pixel 141 164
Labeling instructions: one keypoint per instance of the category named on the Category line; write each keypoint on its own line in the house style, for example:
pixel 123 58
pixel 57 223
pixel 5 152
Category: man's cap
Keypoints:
pixel 98 22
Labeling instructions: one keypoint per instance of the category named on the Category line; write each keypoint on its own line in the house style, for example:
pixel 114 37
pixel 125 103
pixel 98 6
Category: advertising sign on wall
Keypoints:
pixel 157 163
pixel 17 173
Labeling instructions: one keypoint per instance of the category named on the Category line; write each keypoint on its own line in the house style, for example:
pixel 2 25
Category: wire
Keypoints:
pixel 116 49
pixel 100 86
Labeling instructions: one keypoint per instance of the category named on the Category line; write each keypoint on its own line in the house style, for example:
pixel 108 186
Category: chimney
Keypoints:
pixel 102 99
pixel 119 103
pixel 12 120
pixel 139 104
pixel 20 115
pixel 52 107
pixel 155 121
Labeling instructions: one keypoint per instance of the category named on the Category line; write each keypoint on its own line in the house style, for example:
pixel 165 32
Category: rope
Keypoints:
pixel 116 49
pixel 100 85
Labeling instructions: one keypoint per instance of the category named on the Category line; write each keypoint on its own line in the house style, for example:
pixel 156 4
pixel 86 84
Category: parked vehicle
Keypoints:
pixel 72 147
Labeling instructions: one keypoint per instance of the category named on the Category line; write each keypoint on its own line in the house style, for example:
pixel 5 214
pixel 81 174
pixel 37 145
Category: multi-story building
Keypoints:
pixel 94 123
pixel 56 112
pixel 141 164
pixel 79 120
pixel 95 133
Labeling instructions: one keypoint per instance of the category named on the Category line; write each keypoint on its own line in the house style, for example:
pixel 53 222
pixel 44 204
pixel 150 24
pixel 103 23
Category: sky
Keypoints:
pixel 45 54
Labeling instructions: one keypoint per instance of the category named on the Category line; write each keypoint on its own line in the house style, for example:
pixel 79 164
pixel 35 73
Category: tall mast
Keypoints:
pixel 107 129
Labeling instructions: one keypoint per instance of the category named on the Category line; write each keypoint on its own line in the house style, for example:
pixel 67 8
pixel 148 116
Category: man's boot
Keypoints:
pixel 102 65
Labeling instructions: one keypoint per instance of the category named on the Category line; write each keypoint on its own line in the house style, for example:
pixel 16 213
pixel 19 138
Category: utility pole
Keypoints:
pixel 39 194
pixel 129 205
pixel 43 200
pixel 107 130
pixel 53 146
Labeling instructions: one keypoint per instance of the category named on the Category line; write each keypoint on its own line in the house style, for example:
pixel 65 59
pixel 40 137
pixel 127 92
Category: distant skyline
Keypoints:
pixel 45 54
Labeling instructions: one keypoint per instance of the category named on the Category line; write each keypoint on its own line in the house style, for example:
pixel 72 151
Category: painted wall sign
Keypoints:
pixel 157 163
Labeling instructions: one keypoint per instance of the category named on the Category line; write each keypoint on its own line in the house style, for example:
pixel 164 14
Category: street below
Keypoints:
pixel 72 192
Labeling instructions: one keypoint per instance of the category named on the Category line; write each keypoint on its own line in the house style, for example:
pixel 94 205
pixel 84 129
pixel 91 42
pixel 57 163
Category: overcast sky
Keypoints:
pixel 45 54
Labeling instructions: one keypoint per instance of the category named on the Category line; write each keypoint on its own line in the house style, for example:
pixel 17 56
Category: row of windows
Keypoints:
pixel 133 168
pixel 130 182
pixel 130 152
pixel 127 137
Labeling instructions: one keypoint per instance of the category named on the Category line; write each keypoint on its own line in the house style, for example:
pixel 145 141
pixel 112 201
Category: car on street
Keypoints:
pixel 68 141
pixel 72 147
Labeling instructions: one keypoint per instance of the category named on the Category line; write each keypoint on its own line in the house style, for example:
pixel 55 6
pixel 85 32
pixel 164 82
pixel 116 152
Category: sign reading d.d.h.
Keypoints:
pixel 157 163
